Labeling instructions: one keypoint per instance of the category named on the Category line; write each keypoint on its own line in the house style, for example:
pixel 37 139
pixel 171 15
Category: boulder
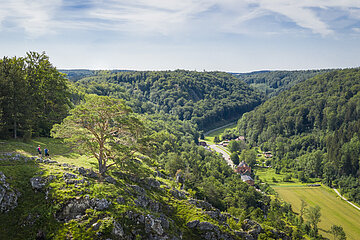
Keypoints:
pixel 178 194
pixel 193 224
pixel 110 180
pixel 76 208
pixel 202 204
pixel 69 175
pixel 38 183
pixel 118 230
pixel 100 204
pixel 8 196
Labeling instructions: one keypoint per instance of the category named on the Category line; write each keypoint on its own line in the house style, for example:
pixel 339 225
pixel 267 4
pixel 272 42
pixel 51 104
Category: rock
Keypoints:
pixel 178 194
pixel 118 230
pixel 147 203
pixel 253 228
pixel 74 181
pixel 193 224
pixel 76 208
pixel 110 180
pixel 37 183
pixel 152 182
pixel 139 190
pixel 216 215
pixel 96 226
pixel 153 224
pixel 69 175
pixel 8 196
pixel 101 204
pixel 206 226
pixel 120 200
pixel 202 204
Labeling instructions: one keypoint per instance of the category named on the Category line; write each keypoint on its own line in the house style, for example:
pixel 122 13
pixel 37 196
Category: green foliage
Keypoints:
pixel 274 82
pixel 249 156
pixel 34 96
pixel 205 98
pixel 234 158
pixel 338 232
pixel 313 215
pixel 103 127
pixel 313 128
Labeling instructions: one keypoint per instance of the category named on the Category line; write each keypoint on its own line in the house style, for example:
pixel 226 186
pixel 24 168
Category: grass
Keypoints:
pixel 210 137
pixel 36 210
pixel 333 209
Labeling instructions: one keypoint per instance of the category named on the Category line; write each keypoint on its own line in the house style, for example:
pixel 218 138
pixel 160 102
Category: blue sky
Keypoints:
pixel 225 35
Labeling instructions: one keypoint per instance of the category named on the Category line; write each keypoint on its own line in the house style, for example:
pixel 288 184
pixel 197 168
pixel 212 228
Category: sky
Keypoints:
pixel 210 35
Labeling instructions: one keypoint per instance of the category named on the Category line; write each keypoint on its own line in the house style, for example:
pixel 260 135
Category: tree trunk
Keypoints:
pixel 15 132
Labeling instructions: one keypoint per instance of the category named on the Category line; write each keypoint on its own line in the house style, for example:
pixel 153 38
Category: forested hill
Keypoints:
pixel 206 98
pixel 314 128
pixel 274 82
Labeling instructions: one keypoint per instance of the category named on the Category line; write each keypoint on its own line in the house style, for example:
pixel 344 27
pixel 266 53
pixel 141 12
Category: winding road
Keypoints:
pixel 225 155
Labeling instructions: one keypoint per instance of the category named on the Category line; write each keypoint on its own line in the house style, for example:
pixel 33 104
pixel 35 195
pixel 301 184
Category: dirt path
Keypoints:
pixel 358 208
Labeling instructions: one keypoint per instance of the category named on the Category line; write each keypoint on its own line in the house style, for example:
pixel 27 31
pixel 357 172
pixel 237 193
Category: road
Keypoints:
pixel 346 199
pixel 225 155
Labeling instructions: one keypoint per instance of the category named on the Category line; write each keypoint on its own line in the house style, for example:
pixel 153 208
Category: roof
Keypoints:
pixel 246 178
pixel 243 164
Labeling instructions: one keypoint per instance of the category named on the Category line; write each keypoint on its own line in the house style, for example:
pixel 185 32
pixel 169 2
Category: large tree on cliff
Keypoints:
pixel 102 127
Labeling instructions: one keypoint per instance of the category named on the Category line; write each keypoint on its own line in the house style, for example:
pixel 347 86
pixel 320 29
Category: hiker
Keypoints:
pixel 46 151
pixel 39 150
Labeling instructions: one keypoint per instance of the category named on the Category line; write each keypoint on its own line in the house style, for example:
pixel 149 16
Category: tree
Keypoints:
pixel 313 214
pixel 234 158
pixel 302 210
pixel 338 232
pixel 104 127
pixel 216 139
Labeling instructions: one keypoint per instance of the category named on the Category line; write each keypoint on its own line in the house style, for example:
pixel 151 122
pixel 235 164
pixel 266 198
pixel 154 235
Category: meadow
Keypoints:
pixel 333 209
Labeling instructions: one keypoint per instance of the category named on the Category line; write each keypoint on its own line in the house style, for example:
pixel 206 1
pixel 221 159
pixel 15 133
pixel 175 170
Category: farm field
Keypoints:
pixel 333 209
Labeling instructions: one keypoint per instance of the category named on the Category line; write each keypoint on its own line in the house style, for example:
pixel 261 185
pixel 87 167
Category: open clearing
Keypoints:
pixel 333 209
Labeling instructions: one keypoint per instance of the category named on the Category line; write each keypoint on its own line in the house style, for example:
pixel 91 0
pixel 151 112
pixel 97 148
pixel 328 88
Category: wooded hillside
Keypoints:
pixel 206 98
pixel 314 128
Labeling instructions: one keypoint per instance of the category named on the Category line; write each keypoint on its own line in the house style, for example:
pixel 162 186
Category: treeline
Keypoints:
pixel 314 128
pixel 274 82
pixel 205 98
pixel 33 96
pixel 206 175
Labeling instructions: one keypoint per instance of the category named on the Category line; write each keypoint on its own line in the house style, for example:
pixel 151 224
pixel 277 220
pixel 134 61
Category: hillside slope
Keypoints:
pixel 313 127
pixel 205 98
pixel 274 82
pixel 63 198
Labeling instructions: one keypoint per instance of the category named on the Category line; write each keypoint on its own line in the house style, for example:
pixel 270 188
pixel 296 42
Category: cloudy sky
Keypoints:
pixel 227 35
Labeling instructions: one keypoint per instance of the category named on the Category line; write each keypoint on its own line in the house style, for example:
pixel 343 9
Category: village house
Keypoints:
pixel 248 180
pixel 240 138
pixel 202 144
pixel 243 169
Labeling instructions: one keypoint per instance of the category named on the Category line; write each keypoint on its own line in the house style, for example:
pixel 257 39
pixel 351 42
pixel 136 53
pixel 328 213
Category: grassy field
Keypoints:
pixel 333 209
pixel 210 136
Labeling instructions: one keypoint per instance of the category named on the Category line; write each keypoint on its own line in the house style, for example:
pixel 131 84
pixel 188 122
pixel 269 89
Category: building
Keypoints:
pixel 247 179
pixel 243 169
pixel 202 144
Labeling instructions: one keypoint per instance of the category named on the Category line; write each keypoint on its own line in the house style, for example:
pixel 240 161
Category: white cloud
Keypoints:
pixel 34 17
pixel 37 17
